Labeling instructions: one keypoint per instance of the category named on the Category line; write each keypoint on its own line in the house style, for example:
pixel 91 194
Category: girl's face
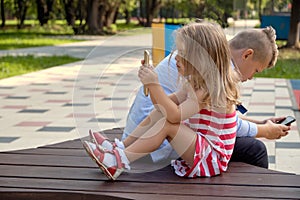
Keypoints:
pixel 179 64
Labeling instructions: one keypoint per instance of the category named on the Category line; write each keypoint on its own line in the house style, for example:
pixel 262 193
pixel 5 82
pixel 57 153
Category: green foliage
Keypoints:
pixel 129 5
pixel 12 66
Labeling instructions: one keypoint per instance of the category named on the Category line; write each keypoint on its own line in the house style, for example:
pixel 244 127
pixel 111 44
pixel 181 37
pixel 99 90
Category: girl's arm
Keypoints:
pixel 188 104
pixel 177 98
pixel 176 107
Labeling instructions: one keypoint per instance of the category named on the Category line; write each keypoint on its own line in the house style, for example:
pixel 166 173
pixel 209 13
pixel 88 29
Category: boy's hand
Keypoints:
pixel 271 130
pixel 273 119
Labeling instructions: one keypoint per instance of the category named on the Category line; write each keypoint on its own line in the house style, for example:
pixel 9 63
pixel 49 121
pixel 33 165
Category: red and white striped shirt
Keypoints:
pixel 216 133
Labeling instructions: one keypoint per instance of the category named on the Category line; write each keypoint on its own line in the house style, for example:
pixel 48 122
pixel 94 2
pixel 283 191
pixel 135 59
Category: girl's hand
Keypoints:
pixel 147 75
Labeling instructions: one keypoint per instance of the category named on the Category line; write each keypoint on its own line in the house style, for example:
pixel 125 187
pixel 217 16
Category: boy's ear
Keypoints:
pixel 248 53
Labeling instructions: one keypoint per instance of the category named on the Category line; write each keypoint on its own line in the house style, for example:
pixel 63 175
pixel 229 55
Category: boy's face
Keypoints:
pixel 248 66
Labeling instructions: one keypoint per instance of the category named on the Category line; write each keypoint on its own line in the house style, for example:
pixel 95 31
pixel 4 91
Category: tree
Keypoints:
pixel 148 9
pixel 111 11
pixel 69 6
pixel 126 8
pixel 76 10
pixel 152 7
pixel 21 7
pixel 92 17
pixel 44 8
pixel 293 38
pixel 2 13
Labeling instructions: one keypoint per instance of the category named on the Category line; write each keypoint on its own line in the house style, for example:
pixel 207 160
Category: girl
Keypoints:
pixel 199 120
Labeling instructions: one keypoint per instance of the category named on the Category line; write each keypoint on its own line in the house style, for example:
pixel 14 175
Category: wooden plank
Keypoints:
pixel 73 144
pixel 68 173
pixel 58 195
pixel 110 133
pixel 11 194
pixel 11 159
pixel 49 160
pixel 235 166
pixel 77 159
pixel 247 168
pixel 77 143
pixel 80 152
pixel 156 188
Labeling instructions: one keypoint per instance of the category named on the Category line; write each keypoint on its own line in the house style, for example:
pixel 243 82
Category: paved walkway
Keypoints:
pixel 62 103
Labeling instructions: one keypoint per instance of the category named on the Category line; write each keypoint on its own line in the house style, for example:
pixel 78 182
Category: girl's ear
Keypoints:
pixel 247 53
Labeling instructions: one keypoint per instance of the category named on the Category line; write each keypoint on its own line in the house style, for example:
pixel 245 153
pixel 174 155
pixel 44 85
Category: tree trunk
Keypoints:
pixel 102 15
pixel 259 9
pixel 81 11
pixel 116 14
pixel 141 15
pixel 41 11
pixel 111 14
pixel 293 39
pixel 149 15
pixel 2 14
pixel 21 9
pixel 152 6
pixel 70 12
pixel 49 4
pixel 127 16
pixel 92 17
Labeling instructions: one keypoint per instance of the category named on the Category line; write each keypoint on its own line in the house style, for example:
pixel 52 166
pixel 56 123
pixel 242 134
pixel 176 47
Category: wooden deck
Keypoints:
pixel 64 171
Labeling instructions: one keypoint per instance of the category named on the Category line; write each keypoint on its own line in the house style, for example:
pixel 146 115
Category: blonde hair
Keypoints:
pixel 262 41
pixel 205 54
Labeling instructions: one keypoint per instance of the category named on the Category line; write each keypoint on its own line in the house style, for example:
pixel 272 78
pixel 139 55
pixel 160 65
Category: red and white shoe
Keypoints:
pixel 101 141
pixel 112 163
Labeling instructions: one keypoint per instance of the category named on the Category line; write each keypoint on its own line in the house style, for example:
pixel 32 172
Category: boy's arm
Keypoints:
pixel 251 120
pixel 268 130
pixel 245 128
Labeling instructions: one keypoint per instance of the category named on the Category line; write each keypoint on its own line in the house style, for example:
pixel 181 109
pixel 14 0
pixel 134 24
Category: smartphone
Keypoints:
pixel 147 61
pixel 287 121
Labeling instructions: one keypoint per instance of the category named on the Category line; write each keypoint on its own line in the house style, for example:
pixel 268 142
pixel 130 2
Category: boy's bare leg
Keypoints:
pixel 182 139
pixel 143 127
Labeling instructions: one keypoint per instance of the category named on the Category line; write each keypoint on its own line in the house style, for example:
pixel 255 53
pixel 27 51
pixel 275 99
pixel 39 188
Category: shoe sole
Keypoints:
pixel 102 167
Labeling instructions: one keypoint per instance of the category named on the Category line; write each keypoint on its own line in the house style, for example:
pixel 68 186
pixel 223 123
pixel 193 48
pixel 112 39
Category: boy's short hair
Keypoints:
pixel 261 40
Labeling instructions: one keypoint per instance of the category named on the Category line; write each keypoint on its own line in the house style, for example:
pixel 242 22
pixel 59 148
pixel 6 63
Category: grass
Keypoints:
pixel 25 41
pixel 34 35
pixel 287 66
pixel 17 65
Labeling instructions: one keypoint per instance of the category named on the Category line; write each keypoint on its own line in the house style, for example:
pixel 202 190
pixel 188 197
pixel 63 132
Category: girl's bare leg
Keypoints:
pixel 182 139
pixel 143 127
